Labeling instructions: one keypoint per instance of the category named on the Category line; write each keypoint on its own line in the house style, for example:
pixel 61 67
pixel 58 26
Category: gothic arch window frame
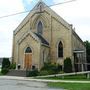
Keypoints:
pixel 60 49
pixel 26 46
pixel 38 18
pixel 28 50
pixel 38 26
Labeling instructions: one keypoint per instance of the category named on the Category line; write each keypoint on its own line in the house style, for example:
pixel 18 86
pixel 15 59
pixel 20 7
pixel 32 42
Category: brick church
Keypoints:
pixel 45 36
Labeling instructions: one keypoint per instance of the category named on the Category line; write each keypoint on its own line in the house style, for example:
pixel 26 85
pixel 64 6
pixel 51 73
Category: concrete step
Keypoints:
pixel 17 73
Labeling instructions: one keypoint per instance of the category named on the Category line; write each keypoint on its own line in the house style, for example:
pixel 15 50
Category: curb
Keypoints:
pixel 40 80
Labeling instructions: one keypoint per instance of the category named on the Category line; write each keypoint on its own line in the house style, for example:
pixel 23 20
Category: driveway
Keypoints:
pixel 6 84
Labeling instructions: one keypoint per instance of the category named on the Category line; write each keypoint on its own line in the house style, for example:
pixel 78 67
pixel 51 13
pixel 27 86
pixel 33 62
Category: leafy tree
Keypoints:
pixel 5 65
pixel 87 44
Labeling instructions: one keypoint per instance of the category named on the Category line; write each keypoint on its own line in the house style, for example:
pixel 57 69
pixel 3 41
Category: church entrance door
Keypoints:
pixel 28 58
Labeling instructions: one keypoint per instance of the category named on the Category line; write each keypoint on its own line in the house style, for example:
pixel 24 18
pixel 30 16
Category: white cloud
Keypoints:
pixel 76 13
pixel 7 25
pixel 76 8
pixel 60 1
pixel 10 6
pixel 29 1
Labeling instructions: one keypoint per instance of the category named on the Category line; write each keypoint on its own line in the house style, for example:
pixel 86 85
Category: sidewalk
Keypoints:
pixel 40 80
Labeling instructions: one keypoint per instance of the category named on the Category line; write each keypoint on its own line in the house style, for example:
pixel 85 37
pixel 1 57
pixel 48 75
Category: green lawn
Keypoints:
pixel 71 86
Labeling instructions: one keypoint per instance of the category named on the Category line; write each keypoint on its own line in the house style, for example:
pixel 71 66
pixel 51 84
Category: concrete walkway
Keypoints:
pixel 40 80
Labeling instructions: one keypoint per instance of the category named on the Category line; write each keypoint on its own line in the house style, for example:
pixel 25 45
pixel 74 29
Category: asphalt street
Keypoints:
pixel 6 84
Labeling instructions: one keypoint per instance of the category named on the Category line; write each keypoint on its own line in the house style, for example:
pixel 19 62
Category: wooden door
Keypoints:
pixel 28 60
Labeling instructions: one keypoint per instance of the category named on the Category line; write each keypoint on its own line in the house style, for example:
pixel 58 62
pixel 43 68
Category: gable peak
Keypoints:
pixel 40 5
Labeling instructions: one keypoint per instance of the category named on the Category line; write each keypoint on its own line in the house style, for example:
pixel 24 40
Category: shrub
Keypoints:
pixel 43 72
pixel 5 63
pixel 46 66
pixel 32 73
pixel 51 68
pixel 59 67
pixel 13 66
pixel 67 65
pixel 4 71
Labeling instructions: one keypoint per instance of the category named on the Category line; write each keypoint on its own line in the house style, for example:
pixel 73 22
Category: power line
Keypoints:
pixel 62 3
pixel 36 9
pixel 14 14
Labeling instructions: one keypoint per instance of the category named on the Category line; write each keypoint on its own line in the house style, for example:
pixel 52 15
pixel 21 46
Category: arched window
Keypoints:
pixel 28 50
pixel 60 49
pixel 39 27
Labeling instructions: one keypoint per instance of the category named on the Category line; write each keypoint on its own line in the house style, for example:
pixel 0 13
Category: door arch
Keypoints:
pixel 28 58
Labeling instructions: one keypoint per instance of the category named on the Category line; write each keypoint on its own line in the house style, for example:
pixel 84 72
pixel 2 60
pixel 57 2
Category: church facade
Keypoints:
pixel 44 36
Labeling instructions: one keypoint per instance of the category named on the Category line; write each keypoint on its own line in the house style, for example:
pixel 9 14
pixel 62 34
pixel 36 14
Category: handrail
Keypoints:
pixel 68 74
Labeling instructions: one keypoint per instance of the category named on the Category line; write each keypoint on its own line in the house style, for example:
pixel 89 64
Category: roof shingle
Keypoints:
pixel 42 39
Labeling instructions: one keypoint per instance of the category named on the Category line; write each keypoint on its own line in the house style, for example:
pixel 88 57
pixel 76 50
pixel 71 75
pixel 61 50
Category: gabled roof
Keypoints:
pixel 39 3
pixel 35 36
pixel 76 35
pixel 43 41
pixel 45 8
pixel 26 34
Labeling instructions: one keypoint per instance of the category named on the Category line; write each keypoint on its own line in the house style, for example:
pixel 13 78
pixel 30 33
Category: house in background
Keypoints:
pixel 43 35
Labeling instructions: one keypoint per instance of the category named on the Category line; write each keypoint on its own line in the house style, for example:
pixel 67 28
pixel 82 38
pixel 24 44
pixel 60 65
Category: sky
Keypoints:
pixel 76 13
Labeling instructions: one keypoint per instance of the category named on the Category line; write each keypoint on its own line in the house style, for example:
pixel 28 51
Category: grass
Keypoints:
pixel 70 86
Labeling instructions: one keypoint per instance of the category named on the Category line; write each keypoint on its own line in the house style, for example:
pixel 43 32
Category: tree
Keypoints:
pixel 5 65
pixel 87 44
pixel 67 65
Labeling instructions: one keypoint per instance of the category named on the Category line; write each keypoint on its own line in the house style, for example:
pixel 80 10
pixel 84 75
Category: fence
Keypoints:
pixel 87 73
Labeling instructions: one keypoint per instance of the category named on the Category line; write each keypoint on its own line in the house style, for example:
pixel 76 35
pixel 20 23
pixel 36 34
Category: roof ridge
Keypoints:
pixel 25 34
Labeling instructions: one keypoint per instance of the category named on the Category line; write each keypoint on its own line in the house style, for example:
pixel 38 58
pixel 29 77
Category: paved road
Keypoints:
pixel 23 85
